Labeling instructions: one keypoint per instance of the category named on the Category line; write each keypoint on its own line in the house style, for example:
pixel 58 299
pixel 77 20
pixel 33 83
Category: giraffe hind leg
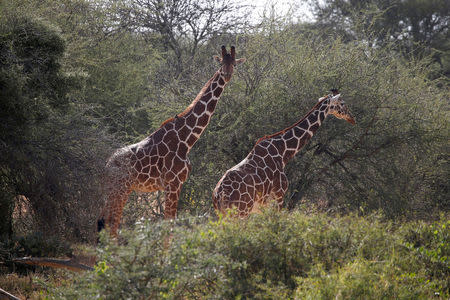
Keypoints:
pixel 116 202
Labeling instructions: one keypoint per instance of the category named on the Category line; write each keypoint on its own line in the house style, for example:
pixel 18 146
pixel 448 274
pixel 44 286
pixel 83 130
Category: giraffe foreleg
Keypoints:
pixel 174 180
pixel 172 193
pixel 282 184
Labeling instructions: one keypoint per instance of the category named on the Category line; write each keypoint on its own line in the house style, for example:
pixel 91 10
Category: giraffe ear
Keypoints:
pixel 217 58
pixel 336 96
pixel 240 61
pixel 224 51
pixel 322 98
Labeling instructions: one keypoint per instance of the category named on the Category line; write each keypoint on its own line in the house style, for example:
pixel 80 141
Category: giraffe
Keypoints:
pixel 260 176
pixel 160 161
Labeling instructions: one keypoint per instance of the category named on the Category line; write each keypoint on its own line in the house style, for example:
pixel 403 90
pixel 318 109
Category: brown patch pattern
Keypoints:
pixel 260 177
pixel 160 162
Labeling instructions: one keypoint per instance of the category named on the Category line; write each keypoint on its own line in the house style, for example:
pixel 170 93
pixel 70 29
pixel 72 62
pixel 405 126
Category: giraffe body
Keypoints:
pixel 260 177
pixel 160 161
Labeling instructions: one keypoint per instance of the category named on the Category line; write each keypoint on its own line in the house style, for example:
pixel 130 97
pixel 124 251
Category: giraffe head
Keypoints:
pixel 338 108
pixel 227 62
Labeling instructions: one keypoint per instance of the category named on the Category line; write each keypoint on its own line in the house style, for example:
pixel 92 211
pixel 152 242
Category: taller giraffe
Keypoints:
pixel 260 176
pixel 160 161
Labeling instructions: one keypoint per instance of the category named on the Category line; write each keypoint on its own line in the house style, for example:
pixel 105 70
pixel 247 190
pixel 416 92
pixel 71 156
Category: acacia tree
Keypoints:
pixel 181 25
pixel 419 27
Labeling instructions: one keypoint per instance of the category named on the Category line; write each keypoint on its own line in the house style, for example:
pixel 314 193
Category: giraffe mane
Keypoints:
pixel 293 125
pixel 200 94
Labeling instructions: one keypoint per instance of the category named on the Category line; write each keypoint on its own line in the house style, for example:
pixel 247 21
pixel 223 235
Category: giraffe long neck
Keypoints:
pixel 292 139
pixel 301 132
pixel 194 120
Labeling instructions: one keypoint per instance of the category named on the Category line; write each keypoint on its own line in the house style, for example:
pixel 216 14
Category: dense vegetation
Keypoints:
pixel 272 256
pixel 79 78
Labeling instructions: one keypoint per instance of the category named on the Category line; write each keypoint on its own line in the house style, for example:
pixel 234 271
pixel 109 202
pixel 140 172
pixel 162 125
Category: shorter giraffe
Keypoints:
pixel 260 177
pixel 160 161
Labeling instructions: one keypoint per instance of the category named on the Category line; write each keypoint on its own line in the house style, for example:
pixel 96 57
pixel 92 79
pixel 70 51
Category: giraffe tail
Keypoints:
pixel 216 201
pixel 219 201
pixel 100 224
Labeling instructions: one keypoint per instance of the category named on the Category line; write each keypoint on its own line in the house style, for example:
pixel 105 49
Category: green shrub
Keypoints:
pixel 364 279
pixel 429 244
pixel 269 255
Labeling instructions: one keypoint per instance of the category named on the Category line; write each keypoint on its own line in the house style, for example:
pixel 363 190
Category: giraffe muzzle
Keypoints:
pixel 351 120
pixel 227 77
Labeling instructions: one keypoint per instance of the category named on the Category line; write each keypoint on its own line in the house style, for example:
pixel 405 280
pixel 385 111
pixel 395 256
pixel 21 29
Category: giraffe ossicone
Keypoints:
pixel 160 161
pixel 260 177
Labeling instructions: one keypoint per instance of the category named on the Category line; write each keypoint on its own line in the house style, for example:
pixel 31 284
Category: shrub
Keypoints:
pixel 364 279
pixel 269 255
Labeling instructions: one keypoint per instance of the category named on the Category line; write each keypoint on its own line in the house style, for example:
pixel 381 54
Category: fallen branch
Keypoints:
pixel 7 295
pixel 69 264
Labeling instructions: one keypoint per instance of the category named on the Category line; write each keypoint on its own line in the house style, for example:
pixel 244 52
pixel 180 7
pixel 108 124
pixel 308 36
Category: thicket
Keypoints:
pixel 419 27
pixel 273 255
pixel 52 150
pixel 81 77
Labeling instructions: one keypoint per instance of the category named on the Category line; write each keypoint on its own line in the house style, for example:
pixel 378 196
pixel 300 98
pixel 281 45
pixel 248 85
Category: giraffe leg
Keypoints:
pixel 115 205
pixel 172 193
pixel 281 182
pixel 278 200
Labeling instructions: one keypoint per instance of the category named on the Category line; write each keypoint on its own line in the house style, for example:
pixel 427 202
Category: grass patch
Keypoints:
pixel 29 286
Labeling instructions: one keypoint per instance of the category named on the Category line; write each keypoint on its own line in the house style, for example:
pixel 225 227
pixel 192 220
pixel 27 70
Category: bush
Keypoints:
pixel 364 279
pixel 52 152
pixel 270 255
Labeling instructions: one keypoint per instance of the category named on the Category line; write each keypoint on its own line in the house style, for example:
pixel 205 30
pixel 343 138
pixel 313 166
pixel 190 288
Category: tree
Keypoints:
pixel 31 87
pixel 421 27
pixel 181 25
pixel 51 151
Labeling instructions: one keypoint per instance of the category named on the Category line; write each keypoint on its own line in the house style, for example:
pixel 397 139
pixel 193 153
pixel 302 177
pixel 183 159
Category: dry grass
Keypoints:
pixel 23 287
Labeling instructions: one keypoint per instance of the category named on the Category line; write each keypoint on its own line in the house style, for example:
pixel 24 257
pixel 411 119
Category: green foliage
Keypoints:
pixel 31 87
pixel 431 246
pixel 51 149
pixel 122 103
pixel 74 72
pixel 387 161
pixel 270 255
pixel 30 72
pixel 366 280
pixel 420 27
